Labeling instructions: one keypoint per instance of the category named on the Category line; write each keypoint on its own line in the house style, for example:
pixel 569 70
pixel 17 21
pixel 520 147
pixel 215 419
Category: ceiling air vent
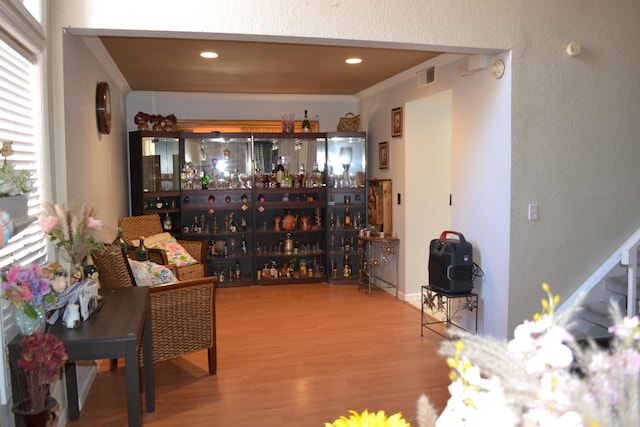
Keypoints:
pixel 426 77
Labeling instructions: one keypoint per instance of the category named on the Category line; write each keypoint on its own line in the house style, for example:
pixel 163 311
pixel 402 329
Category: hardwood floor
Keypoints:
pixel 290 355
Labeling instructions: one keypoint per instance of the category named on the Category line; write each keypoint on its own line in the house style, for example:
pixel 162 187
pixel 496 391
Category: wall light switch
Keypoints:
pixel 533 211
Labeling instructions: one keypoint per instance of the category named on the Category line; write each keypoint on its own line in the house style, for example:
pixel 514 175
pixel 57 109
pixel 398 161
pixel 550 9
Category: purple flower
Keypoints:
pixel 25 275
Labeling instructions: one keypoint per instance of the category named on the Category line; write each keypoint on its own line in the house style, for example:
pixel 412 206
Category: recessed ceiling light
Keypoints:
pixel 353 60
pixel 208 55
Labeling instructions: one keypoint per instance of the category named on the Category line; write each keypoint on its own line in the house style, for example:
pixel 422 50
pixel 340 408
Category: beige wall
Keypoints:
pixel 574 127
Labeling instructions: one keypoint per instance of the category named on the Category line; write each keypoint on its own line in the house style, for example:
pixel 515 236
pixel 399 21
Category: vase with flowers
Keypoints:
pixel 157 120
pixel 543 377
pixel 141 119
pixel 42 355
pixel 170 123
pixel 28 288
pixel 73 230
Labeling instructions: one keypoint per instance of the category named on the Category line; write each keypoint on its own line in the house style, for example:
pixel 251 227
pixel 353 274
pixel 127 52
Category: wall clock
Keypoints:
pixel 103 107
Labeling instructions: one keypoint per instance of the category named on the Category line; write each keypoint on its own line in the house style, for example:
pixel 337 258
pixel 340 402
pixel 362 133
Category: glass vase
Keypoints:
pixel 28 325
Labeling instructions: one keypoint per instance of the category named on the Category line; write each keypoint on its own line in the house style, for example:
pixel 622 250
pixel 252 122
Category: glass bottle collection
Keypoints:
pixel 257 254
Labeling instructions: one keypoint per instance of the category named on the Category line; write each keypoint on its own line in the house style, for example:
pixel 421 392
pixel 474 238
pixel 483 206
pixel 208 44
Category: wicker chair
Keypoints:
pixel 182 313
pixel 133 227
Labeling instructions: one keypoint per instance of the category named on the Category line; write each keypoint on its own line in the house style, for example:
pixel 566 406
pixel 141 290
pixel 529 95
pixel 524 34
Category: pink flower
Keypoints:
pixel 94 224
pixel 59 283
pixel 27 295
pixel 48 223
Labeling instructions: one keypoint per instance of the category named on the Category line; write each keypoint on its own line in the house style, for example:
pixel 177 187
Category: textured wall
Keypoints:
pixel 574 125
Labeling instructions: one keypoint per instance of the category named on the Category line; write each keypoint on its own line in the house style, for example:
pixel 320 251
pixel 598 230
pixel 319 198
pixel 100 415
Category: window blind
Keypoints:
pixel 20 122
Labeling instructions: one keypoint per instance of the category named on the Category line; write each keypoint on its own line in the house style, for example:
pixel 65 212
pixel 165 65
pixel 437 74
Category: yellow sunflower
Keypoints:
pixel 370 419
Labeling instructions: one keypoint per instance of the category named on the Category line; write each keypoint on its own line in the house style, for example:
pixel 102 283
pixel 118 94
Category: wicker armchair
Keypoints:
pixel 148 225
pixel 182 313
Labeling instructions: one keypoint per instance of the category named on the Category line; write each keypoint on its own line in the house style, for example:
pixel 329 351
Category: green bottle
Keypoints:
pixel 306 125
pixel 142 253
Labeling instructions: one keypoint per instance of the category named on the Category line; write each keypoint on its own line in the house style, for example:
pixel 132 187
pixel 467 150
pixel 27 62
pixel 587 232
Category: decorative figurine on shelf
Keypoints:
pixel 277 221
pixel 305 223
pixel 289 221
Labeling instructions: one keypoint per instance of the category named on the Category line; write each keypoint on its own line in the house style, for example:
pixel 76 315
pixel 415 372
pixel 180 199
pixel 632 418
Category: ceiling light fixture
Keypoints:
pixel 353 60
pixel 208 55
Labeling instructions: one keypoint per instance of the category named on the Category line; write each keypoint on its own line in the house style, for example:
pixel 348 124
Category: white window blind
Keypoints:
pixel 20 122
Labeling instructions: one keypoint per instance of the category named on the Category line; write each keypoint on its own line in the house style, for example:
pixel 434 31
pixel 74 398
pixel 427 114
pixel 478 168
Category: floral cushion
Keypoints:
pixel 147 273
pixel 176 254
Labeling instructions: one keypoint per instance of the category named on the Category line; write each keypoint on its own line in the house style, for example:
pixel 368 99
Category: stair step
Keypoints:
pixel 581 329
pixel 597 313
pixel 618 285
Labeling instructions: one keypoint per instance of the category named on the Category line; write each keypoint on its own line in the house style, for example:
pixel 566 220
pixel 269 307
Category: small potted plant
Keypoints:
pixel 42 355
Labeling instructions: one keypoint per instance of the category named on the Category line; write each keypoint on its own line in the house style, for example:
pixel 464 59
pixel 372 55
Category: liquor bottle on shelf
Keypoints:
pixel 238 271
pixel 279 171
pixel 306 125
pixel 205 181
pixel 243 245
pixel 142 253
pixel 347 244
pixel 286 179
pixel 347 219
pixel 346 272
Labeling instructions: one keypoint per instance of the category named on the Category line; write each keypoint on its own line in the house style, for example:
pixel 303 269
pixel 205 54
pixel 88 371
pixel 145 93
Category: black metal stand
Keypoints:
pixel 450 305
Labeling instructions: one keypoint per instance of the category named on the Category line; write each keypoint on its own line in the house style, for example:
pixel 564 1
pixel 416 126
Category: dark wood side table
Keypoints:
pixel 118 329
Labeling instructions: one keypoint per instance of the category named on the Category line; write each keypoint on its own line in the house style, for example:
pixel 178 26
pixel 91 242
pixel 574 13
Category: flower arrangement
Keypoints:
pixel 73 230
pixel 12 182
pixel 171 118
pixel 141 117
pixel 41 357
pixel 543 377
pixel 28 288
pixel 370 419
pixel 157 120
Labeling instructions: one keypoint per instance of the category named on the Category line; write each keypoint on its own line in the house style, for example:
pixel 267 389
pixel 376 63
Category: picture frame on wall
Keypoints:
pixel 396 122
pixel 383 155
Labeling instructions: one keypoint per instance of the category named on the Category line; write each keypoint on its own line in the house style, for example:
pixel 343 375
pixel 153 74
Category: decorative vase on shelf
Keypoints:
pixel 43 417
pixel 28 325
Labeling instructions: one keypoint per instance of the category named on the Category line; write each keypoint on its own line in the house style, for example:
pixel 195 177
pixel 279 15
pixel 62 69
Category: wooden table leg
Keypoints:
pixel 71 379
pixel 147 354
pixel 132 375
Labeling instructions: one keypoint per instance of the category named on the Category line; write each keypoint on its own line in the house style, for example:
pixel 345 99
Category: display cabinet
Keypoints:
pixel 267 204
pixel 216 183
pixel 289 208
pixel 154 159
pixel 346 208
